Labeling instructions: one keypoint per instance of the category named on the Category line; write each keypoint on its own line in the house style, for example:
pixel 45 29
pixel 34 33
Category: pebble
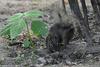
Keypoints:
pixel 45 15
pixel 89 56
pixel 40 17
pixel 41 60
pixel 96 38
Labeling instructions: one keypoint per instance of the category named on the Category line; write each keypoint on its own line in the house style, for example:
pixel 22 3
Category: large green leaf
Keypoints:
pixel 16 28
pixel 6 29
pixel 33 13
pixel 14 17
pixel 38 27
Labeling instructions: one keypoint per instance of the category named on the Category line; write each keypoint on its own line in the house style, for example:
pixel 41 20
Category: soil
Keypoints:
pixel 16 55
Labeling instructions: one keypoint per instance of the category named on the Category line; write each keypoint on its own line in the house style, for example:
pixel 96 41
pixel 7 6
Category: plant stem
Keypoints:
pixel 29 33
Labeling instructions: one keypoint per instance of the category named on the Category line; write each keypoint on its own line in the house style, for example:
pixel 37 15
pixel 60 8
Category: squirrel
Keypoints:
pixel 59 36
pixel 62 31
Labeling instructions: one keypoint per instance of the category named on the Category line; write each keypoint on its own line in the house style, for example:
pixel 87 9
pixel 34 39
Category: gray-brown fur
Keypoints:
pixel 62 31
pixel 59 36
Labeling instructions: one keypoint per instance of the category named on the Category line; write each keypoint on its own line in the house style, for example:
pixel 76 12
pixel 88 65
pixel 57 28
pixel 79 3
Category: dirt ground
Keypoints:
pixel 9 54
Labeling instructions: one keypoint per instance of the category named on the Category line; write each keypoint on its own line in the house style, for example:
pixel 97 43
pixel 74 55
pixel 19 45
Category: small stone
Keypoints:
pixel 68 61
pixel 49 59
pixel 97 58
pixel 2 59
pixel 96 38
pixel 41 60
pixel 89 56
pixel 45 15
pixel 45 21
pixel 40 16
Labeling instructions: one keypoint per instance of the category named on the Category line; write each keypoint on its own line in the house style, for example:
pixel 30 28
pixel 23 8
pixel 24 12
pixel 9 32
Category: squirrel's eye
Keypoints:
pixel 51 46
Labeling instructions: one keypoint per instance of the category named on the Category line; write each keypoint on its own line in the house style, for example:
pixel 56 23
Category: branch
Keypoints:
pixel 85 13
pixel 96 11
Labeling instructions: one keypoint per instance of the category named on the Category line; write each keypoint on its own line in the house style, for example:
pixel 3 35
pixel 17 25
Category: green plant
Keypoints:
pixel 32 54
pixel 93 59
pixel 92 11
pixel 19 20
pixel 20 57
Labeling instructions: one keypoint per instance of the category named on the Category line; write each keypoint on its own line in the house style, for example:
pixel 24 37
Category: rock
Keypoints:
pixel 45 15
pixel 68 61
pixel 41 60
pixel 97 58
pixel 89 56
pixel 45 21
pixel 40 17
pixel 96 38
pixel 49 60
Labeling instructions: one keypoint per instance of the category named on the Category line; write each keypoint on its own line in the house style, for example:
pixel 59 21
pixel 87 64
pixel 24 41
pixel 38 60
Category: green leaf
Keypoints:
pixel 38 27
pixel 18 55
pixel 35 34
pixel 32 54
pixel 19 58
pixel 26 43
pixel 92 11
pixel 37 37
pixel 14 17
pixel 22 55
pixel 16 28
pixel 6 29
pixel 33 13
